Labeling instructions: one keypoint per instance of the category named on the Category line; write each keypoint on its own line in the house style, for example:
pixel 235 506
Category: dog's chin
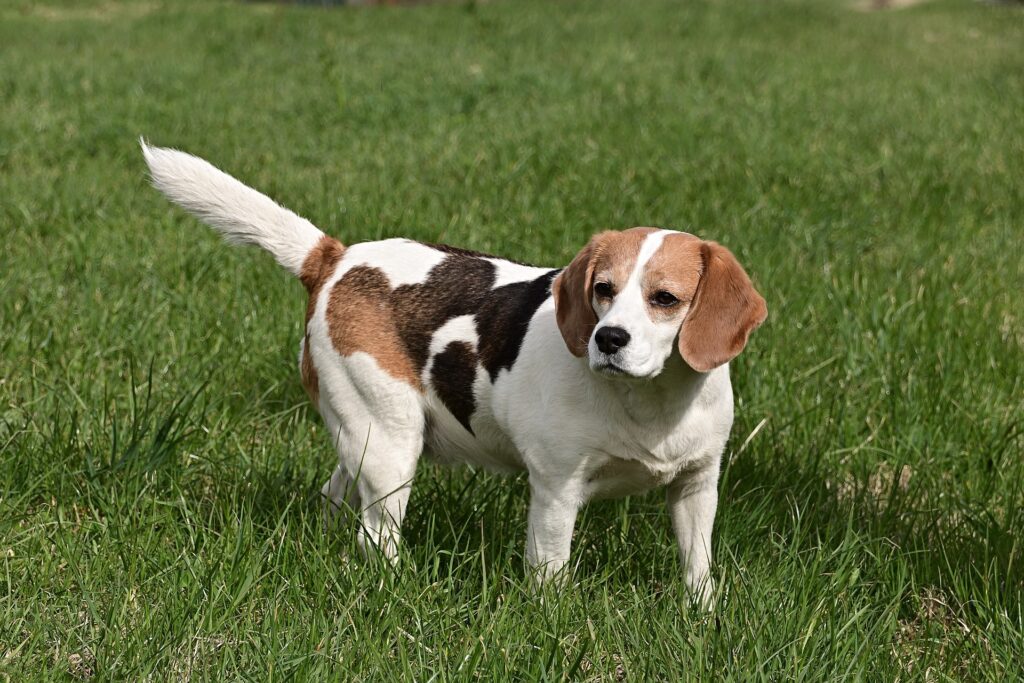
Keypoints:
pixel 608 368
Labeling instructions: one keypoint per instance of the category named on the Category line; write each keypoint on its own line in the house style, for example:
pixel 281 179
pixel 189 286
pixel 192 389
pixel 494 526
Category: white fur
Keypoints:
pixel 579 434
pixel 404 262
pixel 459 328
pixel 241 214
pixel 509 272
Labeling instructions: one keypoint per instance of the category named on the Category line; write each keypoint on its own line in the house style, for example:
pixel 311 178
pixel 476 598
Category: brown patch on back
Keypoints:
pixel 609 255
pixel 310 380
pixel 318 266
pixel 360 317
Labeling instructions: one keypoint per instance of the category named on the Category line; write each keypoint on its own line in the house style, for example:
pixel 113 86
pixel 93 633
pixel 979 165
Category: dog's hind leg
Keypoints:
pixel 339 496
pixel 377 425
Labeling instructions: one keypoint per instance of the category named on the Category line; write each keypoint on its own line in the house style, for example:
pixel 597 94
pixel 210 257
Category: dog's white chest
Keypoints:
pixel 644 456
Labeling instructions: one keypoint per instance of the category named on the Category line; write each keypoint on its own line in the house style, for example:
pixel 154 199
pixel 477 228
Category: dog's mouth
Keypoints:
pixel 607 367
pixel 610 369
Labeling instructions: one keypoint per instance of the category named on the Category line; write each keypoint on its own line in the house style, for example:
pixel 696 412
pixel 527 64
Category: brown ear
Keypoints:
pixel 571 289
pixel 725 310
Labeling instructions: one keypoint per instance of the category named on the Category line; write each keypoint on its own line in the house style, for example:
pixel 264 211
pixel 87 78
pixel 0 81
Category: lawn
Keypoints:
pixel 160 464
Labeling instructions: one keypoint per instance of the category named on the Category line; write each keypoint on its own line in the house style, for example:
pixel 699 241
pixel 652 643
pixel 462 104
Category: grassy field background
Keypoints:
pixel 159 464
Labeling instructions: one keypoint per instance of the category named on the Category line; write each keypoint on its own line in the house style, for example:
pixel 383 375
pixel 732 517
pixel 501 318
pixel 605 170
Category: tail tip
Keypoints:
pixel 149 153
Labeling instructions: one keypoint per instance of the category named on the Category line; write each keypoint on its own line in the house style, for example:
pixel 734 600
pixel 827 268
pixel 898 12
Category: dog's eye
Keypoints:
pixel 603 290
pixel 664 298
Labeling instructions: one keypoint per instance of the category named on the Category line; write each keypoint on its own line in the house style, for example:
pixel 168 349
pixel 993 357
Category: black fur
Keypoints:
pixel 503 318
pixel 462 285
pixel 453 374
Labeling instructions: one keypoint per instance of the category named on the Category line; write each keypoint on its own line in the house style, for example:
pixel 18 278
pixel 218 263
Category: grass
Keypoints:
pixel 159 464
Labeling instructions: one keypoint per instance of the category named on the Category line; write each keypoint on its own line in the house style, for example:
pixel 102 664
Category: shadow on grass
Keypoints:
pixel 455 515
pixel 947 543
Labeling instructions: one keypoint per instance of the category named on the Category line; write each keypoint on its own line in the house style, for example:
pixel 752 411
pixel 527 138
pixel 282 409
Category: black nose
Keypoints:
pixel 611 339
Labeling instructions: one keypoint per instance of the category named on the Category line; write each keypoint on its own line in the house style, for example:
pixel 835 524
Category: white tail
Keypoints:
pixel 240 213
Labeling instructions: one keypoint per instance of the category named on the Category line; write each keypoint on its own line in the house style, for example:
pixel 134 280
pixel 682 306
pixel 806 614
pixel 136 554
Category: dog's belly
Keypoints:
pixel 617 477
pixel 482 444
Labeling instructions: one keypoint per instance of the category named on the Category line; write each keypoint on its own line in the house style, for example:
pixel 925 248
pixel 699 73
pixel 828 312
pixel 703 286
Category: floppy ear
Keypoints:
pixel 726 308
pixel 571 289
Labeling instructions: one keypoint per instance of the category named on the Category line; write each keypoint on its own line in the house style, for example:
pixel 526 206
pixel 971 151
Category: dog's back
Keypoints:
pixel 443 321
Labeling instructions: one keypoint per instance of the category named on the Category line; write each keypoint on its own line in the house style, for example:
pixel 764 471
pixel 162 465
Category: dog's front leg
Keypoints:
pixel 692 504
pixel 549 529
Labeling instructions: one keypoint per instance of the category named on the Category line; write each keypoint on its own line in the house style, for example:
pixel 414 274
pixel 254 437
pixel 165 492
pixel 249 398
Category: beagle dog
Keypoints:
pixel 608 377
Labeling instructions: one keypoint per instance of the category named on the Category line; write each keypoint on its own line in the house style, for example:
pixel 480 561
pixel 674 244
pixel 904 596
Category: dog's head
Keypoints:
pixel 629 297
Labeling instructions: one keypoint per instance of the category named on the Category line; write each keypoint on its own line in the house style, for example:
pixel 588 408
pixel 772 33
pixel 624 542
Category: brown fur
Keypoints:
pixel 310 380
pixel 675 268
pixel 318 266
pixel 725 310
pixel 616 257
pixel 360 317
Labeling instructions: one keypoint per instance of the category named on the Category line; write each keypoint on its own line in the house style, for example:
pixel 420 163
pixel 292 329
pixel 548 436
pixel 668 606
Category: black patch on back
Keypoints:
pixel 503 319
pixel 462 284
pixel 456 286
pixel 459 251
